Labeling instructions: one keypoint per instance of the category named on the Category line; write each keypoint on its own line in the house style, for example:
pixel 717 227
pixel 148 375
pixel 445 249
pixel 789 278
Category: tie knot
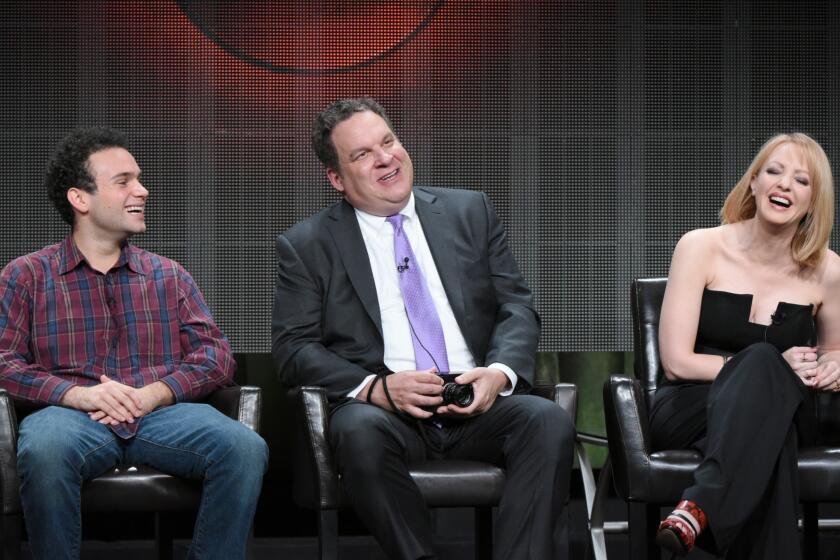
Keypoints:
pixel 396 221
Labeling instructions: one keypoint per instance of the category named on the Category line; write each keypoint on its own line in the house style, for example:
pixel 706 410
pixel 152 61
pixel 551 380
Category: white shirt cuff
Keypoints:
pixel 510 375
pixel 352 394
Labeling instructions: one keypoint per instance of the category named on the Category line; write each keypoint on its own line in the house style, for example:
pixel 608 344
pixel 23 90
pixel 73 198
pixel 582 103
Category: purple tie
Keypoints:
pixel 426 332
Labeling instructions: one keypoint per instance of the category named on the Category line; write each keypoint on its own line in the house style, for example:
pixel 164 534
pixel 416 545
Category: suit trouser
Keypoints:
pixel 747 424
pixel 530 436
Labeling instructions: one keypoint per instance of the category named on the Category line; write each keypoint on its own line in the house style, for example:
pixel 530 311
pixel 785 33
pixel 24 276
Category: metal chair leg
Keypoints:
pixel 483 533
pixel 12 529
pixel 810 530
pixel 328 534
pixel 163 537
pixel 595 495
pixel 643 519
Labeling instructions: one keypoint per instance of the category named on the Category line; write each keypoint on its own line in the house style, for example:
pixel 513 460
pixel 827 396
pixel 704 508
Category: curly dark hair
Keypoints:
pixel 330 117
pixel 68 166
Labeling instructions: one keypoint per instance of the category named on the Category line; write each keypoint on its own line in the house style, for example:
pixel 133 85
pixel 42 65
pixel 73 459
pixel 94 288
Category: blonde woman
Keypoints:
pixel 749 331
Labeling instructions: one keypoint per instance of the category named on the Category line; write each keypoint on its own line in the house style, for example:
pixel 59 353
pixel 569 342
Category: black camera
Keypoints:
pixel 460 395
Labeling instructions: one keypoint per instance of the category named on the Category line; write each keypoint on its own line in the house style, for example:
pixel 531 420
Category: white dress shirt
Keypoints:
pixel 378 236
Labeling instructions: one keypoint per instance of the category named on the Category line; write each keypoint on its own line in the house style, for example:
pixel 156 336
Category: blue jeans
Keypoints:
pixel 59 448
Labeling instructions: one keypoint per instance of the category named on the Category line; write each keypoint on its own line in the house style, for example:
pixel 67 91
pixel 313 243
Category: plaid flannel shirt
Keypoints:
pixel 64 324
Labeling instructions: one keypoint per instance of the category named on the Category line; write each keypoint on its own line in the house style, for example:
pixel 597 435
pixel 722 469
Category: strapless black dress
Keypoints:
pixel 725 328
pixel 747 424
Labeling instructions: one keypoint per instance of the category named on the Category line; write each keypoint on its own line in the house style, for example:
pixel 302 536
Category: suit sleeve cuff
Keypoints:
pixel 352 394
pixel 510 375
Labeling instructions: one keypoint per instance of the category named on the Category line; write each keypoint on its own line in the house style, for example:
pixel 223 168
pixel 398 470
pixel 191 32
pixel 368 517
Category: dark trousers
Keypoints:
pixel 530 436
pixel 747 424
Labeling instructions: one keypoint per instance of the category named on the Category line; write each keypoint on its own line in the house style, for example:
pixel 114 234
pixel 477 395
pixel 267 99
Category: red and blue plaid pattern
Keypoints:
pixel 64 324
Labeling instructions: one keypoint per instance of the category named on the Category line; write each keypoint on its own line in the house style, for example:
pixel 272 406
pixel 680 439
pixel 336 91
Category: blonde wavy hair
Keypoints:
pixel 810 241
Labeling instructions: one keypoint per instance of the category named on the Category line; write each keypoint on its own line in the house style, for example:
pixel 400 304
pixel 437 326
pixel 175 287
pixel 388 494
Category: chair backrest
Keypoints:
pixel 646 299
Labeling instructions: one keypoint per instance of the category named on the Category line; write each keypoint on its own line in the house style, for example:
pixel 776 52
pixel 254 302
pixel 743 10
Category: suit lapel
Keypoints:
pixel 347 236
pixel 438 231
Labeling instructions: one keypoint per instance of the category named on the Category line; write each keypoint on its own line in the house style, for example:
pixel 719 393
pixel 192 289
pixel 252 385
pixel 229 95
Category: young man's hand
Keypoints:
pixel 112 402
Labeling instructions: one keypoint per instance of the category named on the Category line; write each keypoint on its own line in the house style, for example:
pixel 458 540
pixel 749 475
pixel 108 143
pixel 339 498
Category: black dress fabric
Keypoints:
pixel 747 424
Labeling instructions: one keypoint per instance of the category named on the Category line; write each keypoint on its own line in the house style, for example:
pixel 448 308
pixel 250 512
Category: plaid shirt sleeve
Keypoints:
pixel 18 374
pixel 207 361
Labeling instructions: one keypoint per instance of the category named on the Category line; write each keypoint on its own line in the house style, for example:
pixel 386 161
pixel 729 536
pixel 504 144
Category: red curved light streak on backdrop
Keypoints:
pixel 311 35
pixel 459 42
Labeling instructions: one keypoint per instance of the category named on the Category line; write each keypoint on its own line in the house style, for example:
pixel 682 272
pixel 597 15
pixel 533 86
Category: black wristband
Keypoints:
pixel 388 395
pixel 370 390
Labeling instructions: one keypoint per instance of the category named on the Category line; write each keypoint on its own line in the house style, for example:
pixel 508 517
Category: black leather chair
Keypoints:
pixel 126 488
pixel 443 483
pixel 648 480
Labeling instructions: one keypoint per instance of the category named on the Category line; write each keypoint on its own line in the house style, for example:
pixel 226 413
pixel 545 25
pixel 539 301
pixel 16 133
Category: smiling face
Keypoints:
pixel 116 209
pixel 782 186
pixel 375 172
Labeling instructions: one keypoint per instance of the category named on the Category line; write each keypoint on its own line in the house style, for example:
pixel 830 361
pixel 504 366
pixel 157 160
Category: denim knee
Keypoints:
pixel 237 444
pixel 56 441
pixel 252 451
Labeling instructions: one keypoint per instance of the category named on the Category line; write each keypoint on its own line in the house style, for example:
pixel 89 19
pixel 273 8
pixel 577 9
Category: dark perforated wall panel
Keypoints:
pixel 602 131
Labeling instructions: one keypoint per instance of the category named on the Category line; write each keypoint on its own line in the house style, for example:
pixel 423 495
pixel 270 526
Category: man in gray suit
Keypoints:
pixel 379 293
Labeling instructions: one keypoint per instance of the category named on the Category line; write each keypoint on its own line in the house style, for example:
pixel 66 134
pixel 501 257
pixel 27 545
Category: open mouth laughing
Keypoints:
pixel 780 201
pixel 390 176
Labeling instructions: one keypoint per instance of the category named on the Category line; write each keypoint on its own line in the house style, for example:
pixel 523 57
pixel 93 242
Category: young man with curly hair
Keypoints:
pixel 117 343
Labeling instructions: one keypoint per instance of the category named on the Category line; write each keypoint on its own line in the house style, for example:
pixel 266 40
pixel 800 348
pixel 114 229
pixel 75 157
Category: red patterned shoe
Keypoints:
pixel 679 530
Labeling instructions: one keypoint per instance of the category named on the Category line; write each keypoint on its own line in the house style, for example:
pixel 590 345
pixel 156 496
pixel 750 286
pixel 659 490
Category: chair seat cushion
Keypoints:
pixel 819 474
pixel 450 483
pixel 446 483
pixel 671 472
pixel 128 488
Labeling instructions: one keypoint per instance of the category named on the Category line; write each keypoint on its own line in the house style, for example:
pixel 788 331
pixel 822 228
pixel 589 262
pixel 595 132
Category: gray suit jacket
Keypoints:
pixel 326 327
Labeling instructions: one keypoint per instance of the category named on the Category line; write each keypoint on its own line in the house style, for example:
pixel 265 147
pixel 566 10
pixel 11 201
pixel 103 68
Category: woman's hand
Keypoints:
pixel 827 377
pixel 803 362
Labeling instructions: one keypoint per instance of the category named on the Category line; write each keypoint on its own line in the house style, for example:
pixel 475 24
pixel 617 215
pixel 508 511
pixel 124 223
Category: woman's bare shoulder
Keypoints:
pixel 703 241
pixel 829 271
pixel 696 256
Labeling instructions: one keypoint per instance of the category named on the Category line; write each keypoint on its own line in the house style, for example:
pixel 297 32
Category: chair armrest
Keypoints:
pixel 315 481
pixel 240 403
pixel 563 394
pixel 626 417
pixel 9 481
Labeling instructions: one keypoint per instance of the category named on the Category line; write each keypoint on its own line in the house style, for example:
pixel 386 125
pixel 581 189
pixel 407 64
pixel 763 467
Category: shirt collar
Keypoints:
pixel 376 222
pixel 71 257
